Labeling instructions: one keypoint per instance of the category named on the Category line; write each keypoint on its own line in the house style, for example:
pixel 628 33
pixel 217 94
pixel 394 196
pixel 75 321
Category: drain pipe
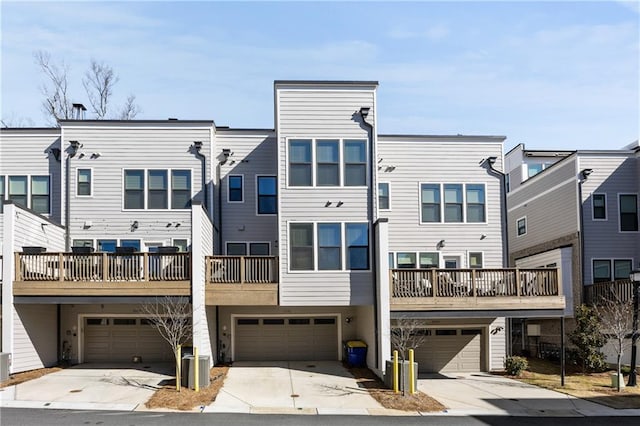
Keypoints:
pixel 584 174
pixel 72 151
pixel 197 147
pixel 503 195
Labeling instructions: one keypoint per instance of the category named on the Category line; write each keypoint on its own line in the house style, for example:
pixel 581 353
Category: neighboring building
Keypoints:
pixel 574 210
pixel 287 241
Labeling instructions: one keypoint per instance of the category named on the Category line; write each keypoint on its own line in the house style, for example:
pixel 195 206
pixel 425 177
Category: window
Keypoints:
pixel 301 246
pixel 355 163
pixel 254 249
pixel 475 260
pixel 329 246
pixel 236 249
pixel 130 243
pixel 83 182
pixel 599 206
pixel 622 269
pixel 299 321
pixel 1 193
pixel 18 190
pixel 248 321
pixel 357 236
pixel 181 189
pixel 327 162
pixel 601 270
pixel 430 202
pixel 108 246
pixel 158 194
pixel 40 200
pixel 134 189
pixel 534 169
pixel 406 260
pixel 475 203
pixel 235 189
pixel 429 260
pixel 453 203
pixel 182 244
pixel 628 212
pixel 521 225
pixel 82 243
pixel 383 196
pixel 300 162
pixel 267 195
pixel 259 249
pixel 124 321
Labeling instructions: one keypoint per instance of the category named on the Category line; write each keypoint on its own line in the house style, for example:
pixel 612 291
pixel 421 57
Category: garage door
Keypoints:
pixel 120 339
pixel 286 339
pixel 450 350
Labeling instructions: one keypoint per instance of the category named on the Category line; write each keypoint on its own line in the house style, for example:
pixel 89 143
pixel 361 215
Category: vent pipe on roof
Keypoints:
pixel 78 111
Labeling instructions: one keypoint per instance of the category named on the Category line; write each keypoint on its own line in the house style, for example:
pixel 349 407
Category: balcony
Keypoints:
pixel 102 274
pixel 621 290
pixel 241 280
pixel 475 289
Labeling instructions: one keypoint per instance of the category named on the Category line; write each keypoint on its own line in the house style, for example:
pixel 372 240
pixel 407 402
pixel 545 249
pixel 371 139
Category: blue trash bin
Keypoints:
pixel 356 353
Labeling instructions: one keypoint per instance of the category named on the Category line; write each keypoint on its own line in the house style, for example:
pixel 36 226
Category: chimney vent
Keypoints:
pixel 78 111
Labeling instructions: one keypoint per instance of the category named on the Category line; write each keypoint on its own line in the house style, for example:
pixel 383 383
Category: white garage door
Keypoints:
pixel 286 339
pixel 120 339
pixel 450 350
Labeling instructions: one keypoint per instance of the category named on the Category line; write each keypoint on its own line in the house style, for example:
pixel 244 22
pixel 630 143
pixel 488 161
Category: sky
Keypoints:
pixel 549 74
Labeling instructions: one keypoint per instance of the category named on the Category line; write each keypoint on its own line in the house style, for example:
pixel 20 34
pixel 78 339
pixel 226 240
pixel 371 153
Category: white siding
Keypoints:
pixel 497 343
pixel 33 230
pixel 202 246
pixel 406 163
pixel 34 334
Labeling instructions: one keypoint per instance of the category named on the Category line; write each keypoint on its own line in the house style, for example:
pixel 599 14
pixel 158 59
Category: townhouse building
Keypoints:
pixel 285 241
pixel 576 210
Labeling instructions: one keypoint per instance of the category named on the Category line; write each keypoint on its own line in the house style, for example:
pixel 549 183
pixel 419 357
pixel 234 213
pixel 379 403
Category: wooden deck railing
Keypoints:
pixel 420 283
pixel 242 269
pixel 621 290
pixel 103 267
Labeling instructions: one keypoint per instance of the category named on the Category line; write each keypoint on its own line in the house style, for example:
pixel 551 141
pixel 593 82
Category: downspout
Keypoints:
pixel 73 150
pixel 218 188
pixel 363 112
pixel 197 146
pixel 584 174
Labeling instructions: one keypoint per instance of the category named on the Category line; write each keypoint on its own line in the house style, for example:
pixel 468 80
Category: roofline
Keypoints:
pixel 31 129
pixel 235 129
pixel 606 151
pixel 514 148
pixel 484 138
pixel 208 122
pixel 326 82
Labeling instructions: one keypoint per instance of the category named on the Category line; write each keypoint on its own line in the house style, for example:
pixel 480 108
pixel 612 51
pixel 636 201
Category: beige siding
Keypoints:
pixel 407 163
pixel 34 331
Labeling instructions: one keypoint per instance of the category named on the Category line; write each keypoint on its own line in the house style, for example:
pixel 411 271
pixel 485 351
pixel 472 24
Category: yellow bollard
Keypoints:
pixel 412 374
pixel 195 369
pixel 396 383
pixel 178 367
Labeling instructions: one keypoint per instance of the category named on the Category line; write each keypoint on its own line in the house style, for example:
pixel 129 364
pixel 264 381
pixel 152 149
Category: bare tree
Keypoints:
pixel 98 82
pixel 56 103
pixel 130 109
pixel 13 121
pixel 172 318
pixel 407 333
pixel 616 319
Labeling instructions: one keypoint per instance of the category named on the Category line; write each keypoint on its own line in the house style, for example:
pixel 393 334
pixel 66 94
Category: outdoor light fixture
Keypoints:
pixel 585 173
pixel 440 244
pixel 635 280
pixel 134 225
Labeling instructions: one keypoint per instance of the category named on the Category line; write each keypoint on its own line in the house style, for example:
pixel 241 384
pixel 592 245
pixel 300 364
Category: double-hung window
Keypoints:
pixel 300 164
pixel 236 188
pixel 134 189
pixel 430 202
pixel 628 212
pixel 357 236
pixel 267 195
pixel 462 203
pixel 158 193
pixel 329 246
pixel 599 202
pixel 40 194
pixel 1 193
pixel 18 190
pixel 521 226
pixel 622 269
pixel 83 184
pixel 355 162
pixel 383 196
pixel 475 203
pixel 453 202
pixel 301 246
pixel 601 270
pixel 328 162
pixel 181 189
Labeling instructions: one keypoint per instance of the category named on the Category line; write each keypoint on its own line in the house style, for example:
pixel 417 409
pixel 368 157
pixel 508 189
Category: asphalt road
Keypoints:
pixel 33 417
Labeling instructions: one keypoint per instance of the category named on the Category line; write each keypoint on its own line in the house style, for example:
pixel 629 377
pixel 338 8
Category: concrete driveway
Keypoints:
pixel 90 386
pixel 311 387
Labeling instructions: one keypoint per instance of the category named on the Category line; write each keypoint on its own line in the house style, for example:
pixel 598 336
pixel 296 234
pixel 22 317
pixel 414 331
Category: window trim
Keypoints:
pixel 316 162
pixel 620 212
pixel 29 193
pixel 344 248
pixel 442 203
pixel 90 169
pixel 48 195
pixel 242 186
pixel 247 246
pixel 482 259
pixel 145 189
pixel 388 196
pixel 526 226
pixel 165 190
pixel 612 265
pixel 3 185
pixel 258 195
pixel 593 207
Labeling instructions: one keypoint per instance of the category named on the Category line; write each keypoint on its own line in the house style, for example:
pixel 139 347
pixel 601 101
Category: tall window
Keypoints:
pixel 601 270
pixel 181 189
pixel 327 162
pixel 1 193
pixel 301 246
pixel 521 225
pixel 355 163
pixel 599 202
pixel 84 182
pixel 453 202
pixel 475 203
pixel 134 189
pixel 430 202
pixel 18 190
pixel 158 193
pixel 357 236
pixel 300 162
pixel 383 196
pixel 628 212
pixel 236 192
pixel 40 194
pixel 267 195
pixel 329 246
pixel 475 260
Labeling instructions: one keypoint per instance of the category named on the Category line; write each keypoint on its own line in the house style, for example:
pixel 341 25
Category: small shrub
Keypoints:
pixel 515 365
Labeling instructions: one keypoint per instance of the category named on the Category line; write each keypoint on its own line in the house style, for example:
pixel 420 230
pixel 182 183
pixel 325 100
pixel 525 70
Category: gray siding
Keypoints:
pixel 321 111
pixel 33 230
pixel 132 146
pixel 549 215
pixel 438 161
pixel 612 175
pixel 254 154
